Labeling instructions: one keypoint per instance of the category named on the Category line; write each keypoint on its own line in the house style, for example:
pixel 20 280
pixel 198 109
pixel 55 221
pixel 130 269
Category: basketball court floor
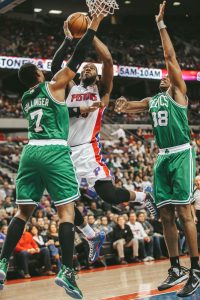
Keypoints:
pixel 134 281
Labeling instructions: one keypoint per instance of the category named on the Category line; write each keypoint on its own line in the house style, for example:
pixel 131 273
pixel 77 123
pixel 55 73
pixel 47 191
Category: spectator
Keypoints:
pixel 3 233
pixel 27 248
pixel 104 226
pixel 123 237
pixel 197 201
pixel 145 242
pixel 48 245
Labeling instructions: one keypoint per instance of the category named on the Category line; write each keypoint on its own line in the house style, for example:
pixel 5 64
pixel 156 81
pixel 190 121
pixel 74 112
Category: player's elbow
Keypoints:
pixel 108 60
pixel 170 56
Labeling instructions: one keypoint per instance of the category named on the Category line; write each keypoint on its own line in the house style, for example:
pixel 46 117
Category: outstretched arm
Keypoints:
pixel 173 68
pixel 106 82
pixel 64 76
pixel 122 105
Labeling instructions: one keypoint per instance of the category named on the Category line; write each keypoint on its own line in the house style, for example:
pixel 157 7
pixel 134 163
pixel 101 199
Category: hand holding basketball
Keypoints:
pixel 76 24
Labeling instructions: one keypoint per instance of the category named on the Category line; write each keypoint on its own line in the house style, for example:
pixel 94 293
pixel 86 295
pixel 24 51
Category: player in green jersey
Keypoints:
pixel 175 166
pixel 46 162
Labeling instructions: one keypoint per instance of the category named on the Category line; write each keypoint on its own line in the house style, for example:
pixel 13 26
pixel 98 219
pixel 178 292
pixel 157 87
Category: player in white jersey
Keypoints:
pixel 87 102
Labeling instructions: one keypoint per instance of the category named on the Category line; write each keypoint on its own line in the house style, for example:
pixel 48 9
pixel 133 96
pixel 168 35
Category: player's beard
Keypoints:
pixel 89 80
pixel 163 88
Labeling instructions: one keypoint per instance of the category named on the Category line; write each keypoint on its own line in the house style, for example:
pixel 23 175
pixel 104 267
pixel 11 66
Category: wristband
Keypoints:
pixel 161 25
pixel 68 38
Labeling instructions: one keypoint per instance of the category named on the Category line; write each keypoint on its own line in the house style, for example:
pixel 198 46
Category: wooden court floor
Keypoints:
pixel 134 281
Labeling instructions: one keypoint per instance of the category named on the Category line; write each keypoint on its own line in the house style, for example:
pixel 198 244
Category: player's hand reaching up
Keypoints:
pixel 67 31
pixel 121 104
pixel 160 16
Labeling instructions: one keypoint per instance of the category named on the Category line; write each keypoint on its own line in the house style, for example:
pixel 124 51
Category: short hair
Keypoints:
pixel 28 74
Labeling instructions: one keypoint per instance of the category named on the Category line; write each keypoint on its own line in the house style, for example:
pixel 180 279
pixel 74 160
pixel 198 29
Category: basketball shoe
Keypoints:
pixel 95 245
pixel 150 202
pixel 66 279
pixel 175 275
pixel 3 269
pixel 191 285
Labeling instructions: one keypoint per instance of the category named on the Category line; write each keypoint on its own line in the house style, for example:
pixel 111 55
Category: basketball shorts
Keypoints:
pixel 174 178
pixel 89 163
pixel 49 167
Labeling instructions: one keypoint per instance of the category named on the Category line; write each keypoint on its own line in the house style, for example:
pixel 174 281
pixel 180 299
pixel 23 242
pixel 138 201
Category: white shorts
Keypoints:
pixel 88 163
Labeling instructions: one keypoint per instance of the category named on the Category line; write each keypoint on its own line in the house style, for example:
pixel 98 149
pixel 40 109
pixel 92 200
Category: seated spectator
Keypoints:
pixel 123 237
pixel 97 212
pixel 8 205
pixel 197 201
pixel 145 242
pixel 104 226
pixel 27 248
pixel 3 232
pixel 48 245
pixel 159 246
pixel 92 223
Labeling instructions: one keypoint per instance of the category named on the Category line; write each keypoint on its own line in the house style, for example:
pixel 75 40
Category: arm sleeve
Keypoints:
pixel 59 56
pixel 74 112
pixel 81 50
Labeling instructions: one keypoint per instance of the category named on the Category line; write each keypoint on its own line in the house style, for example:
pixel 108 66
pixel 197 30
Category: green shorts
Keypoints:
pixel 47 167
pixel 174 178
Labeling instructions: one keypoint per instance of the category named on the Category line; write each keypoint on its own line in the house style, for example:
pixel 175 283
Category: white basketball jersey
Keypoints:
pixel 84 129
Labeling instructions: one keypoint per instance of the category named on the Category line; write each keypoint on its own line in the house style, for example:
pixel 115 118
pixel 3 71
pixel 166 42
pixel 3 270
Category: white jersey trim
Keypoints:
pixel 52 98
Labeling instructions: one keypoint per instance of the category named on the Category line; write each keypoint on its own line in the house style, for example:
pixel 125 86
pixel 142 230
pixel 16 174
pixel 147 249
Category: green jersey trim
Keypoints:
pixel 52 98
pixel 177 104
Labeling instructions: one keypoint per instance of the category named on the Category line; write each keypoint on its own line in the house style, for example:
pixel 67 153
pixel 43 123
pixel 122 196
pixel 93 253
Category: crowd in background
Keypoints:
pixel 129 44
pixel 10 107
pixel 132 232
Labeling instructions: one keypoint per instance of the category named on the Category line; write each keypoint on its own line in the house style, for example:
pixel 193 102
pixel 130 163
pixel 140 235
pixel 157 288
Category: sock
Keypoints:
pixel 140 196
pixel 195 263
pixel 175 261
pixel 88 232
pixel 66 239
pixel 15 231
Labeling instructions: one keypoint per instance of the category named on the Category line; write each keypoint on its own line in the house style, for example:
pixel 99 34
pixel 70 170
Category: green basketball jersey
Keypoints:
pixel 47 117
pixel 169 121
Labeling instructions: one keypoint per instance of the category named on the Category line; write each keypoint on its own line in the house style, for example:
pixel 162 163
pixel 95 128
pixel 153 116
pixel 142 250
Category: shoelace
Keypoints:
pixel 70 273
pixel 171 271
pixel 150 207
pixel 91 248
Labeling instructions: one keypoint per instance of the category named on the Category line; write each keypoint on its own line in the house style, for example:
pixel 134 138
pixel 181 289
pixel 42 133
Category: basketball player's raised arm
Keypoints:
pixel 134 107
pixel 173 68
pixel 106 82
pixel 65 75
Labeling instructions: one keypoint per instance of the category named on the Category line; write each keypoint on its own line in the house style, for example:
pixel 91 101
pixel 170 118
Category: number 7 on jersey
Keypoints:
pixel 38 113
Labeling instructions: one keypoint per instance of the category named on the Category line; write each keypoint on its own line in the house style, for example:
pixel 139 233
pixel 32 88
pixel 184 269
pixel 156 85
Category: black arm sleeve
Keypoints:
pixel 81 50
pixel 74 112
pixel 59 56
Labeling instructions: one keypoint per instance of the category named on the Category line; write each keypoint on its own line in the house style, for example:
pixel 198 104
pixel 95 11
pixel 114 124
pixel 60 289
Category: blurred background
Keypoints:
pixel 32 29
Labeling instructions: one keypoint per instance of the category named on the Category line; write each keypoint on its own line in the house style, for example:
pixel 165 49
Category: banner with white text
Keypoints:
pixel 10 62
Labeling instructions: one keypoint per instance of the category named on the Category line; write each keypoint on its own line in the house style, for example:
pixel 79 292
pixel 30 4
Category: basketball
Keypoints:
pixel 77 24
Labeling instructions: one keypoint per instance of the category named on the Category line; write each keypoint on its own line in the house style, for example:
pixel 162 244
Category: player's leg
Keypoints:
pixel 113 195
pixel 81 157
pixel 59 176
pixel 29 190
pixel 183 173
pixel 163 196
pixel 15 231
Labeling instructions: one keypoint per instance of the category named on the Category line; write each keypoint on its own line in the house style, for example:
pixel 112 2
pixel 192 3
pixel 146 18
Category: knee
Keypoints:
pixel 167 218
pixel 185 214
pixel 66 213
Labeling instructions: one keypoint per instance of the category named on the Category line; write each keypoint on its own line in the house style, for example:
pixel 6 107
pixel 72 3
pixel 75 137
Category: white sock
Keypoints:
pixel 140 197
pixel 88 232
